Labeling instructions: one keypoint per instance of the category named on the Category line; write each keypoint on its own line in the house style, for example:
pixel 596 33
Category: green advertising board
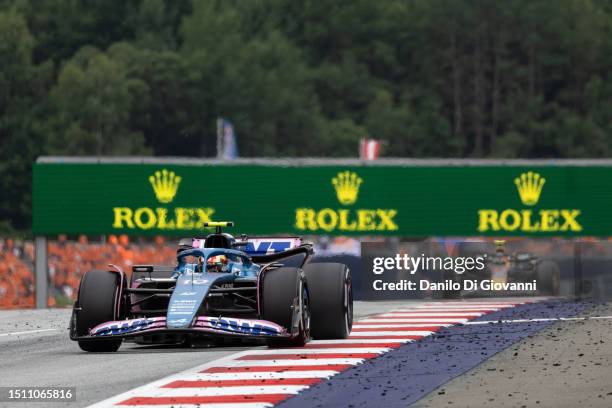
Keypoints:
pixel 171 198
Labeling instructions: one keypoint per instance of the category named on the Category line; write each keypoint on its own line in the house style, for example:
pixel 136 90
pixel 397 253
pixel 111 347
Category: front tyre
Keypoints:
pixel 97 303
pixel 331 300
pixel 286 302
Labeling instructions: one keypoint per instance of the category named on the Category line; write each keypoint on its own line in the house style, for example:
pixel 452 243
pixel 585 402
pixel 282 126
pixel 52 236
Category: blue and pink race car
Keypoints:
pixel 221 287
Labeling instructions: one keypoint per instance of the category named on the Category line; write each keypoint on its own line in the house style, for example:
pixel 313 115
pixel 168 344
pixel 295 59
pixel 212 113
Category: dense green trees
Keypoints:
pixel 433 78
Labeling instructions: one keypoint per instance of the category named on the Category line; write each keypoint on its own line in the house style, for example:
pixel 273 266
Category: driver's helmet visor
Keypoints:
pixel 218 263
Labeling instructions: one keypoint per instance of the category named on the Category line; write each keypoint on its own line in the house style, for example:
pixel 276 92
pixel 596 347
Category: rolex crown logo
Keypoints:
pixel 529 186
pixel 347 185
pixel 165 183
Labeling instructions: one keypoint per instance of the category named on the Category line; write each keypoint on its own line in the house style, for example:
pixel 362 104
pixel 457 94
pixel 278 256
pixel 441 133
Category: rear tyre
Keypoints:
pixel 331 300
pixel 548 277
pixel 284 291
pixel 97 295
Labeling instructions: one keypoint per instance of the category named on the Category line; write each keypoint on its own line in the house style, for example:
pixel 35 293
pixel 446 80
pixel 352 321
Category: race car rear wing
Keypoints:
pixel 305 249
pixel 268 245
pixel 261 249
pixel 252 246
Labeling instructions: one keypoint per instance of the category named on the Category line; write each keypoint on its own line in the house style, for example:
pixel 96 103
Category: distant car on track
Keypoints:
pixel 221 287
pixel 503 267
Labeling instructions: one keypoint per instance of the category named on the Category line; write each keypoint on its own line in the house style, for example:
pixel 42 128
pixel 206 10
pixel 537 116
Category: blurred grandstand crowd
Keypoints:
pixel 16 277
pixel 69 259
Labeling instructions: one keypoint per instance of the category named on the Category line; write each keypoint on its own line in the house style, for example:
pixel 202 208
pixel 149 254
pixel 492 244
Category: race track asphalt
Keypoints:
pixel 35 351
pixel 561 364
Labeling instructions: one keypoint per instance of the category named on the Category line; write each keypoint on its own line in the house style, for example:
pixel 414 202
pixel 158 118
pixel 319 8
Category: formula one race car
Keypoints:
pixel 260 288
pixel 509 268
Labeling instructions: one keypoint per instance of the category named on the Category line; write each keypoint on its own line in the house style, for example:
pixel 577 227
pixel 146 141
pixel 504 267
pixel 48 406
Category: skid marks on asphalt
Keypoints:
pixel 263 377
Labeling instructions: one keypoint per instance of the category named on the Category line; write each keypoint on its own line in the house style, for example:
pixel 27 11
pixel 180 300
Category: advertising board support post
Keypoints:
pixel 578 281
pixel 40 271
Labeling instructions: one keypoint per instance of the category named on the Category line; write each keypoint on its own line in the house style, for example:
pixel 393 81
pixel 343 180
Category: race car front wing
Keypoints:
pixel 223 326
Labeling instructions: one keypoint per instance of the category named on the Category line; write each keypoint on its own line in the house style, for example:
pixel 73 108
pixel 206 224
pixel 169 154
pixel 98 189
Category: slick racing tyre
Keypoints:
pixel 331 300
pixel 284 295
pixel 96 301
pixel 548 278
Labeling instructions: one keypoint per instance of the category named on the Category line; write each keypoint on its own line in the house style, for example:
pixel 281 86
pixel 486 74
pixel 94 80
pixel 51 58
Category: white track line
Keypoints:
pixel 365 349
pixel 431 322
pixel 544 319
pixel 441 312
pixel 382 334
pixel 361 341
pixel 27 332
pixel 399 321
pixel 259 375
pixel 392 325
pixel 217 391
pixel 460 307
pixel 297 362
pixel 467 303
pixel 421 313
